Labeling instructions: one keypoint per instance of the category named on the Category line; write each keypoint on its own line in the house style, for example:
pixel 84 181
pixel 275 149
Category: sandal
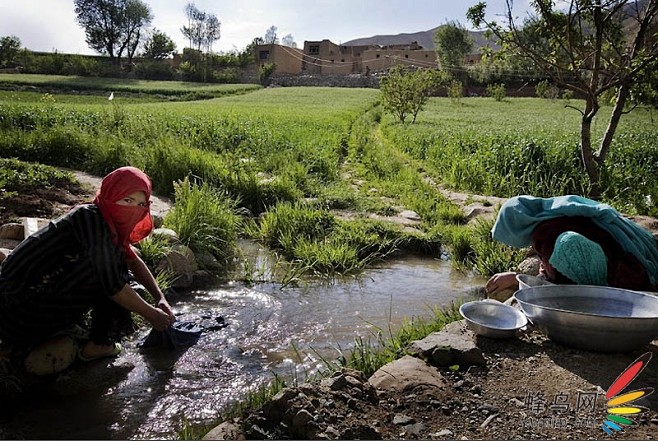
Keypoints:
pixel 115 351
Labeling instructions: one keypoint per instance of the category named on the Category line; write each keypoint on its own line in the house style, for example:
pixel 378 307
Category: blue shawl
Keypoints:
pixel 520 215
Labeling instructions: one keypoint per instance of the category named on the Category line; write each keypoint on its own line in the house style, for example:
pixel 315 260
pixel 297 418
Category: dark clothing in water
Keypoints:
pixel 56 275
pixel 624 269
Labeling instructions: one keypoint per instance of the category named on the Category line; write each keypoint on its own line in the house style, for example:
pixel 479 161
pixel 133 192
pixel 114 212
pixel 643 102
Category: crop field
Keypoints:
pixel 296 155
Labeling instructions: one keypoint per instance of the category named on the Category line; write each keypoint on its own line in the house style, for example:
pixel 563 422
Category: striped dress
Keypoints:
pixel 58 274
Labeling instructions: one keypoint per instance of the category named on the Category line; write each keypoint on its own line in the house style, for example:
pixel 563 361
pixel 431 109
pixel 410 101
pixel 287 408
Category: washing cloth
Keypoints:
pixel 520 215
pixel 580 259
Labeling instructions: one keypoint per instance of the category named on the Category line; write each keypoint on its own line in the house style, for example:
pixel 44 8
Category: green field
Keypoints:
pixel 295 156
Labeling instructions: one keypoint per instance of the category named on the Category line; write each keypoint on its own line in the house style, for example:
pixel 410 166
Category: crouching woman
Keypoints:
pixel 80 263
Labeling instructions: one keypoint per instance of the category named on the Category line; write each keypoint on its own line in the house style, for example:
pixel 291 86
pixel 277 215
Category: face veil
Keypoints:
pixel 127 224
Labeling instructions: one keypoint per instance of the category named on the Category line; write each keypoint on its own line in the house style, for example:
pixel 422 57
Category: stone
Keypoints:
pixel 181 262
pixel 529 266
pixel 406 373
pixel 226 430
pixel 52 356
pixel 13 231
pixel 409 214
pixel 444 349
pixel 166 233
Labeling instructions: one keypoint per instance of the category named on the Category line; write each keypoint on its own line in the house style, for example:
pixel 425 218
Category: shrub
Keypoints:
pixel 265 72
pixel 154 70
pixel 496 91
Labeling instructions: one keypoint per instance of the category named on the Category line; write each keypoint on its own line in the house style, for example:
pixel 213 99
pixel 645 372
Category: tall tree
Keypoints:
pixel 452 43
pixel 113 26
pixel 212 31
pixel 589 47
pixel 203 28
pixel 270 35
pixel 158 45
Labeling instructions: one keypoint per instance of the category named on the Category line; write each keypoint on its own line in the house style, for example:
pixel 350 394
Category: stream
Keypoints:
pixel 271 330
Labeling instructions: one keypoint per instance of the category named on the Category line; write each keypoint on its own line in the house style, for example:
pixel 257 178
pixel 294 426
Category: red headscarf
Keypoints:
pixel 128 224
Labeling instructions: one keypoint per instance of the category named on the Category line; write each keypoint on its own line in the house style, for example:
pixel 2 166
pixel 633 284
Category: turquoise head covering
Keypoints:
pixel 580 259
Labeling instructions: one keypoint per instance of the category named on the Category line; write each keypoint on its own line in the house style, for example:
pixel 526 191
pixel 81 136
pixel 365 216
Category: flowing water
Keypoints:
pixel 271 330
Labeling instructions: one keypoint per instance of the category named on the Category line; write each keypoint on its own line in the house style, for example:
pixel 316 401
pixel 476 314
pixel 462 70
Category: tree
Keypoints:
pixel 405 92
pixel 452 43
pixel 9 47
pixel 135 15
pixel 590 47
pixel 113 26
pixel 203 28
pixel 212 31
pixel 289 41
pixel 270 36
pixel 158 46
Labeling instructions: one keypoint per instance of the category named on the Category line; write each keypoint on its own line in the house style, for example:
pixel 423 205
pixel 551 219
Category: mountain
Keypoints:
pixel 423 38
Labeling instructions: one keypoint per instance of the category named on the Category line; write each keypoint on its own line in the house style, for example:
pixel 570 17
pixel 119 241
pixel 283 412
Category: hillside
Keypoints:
pixel 423 38
pixel 426 38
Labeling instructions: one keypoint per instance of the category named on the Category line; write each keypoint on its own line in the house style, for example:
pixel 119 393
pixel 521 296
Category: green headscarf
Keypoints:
pixel 580 259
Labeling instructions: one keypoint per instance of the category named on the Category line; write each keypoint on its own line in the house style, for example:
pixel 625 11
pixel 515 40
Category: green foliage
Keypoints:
pixel 544 89
pixel 452 43
pixel 405 92
pixel 265 72
pixel 9 47
pixel 563 40
pixel 158 46
pixel 154 70
pixel 17 176
pixel 455 90
pixel 496 91
pixel 384 346
pixel 112 27
pixel 204 219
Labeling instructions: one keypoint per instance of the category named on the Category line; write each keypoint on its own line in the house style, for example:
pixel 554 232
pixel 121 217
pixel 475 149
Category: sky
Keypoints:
pixel 50 25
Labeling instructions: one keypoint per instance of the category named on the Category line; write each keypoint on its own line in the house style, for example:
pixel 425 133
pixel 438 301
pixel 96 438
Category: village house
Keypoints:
pixel 327 58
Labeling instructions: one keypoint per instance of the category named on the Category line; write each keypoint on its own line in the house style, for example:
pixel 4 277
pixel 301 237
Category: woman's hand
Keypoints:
pixel 501 281
pixel 159 319
pixel 166 308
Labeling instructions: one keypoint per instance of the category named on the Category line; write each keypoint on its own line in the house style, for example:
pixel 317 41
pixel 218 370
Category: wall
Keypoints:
pixel 288 60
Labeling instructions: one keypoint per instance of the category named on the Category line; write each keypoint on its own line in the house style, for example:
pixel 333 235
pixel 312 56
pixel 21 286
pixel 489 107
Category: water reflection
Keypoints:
pixel 270 331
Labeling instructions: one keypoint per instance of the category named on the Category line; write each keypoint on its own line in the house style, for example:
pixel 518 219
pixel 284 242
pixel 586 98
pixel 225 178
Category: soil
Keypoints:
pixel 500 401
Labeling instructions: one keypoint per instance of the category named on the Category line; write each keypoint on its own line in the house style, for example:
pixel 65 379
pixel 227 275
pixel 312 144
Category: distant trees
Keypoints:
pixel 113 27
pixel 9 47
pixel 452 43
pixel 588 47
pixel 289 41
pixel 270 35
pixel 158 45
pixel 203 29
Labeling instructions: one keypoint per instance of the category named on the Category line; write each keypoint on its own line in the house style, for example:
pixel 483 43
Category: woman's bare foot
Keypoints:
pixel 92 351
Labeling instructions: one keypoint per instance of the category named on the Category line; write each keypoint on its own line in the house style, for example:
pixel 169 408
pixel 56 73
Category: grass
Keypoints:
pixel 17 176
pixel 103 86
pixel 529 146
pixel 306 152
